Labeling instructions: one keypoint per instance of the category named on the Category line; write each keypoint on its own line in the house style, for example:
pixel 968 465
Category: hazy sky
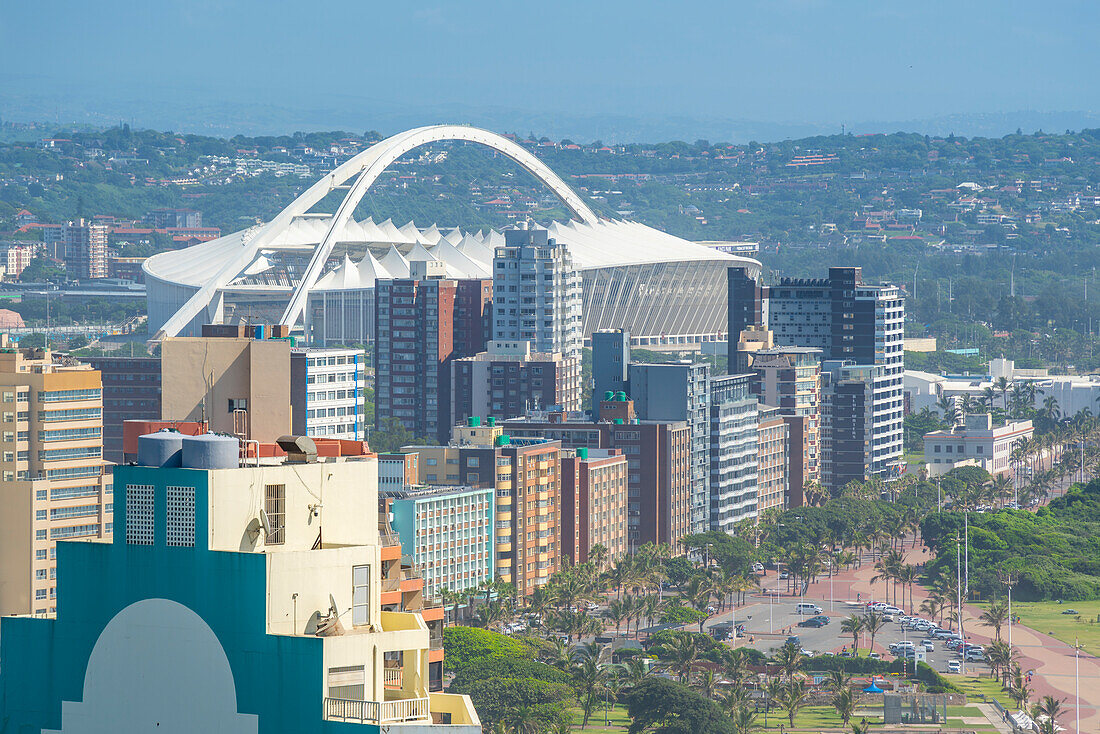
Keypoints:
pixel 775 60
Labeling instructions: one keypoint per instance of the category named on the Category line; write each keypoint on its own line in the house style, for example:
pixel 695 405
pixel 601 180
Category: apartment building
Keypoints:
pixel 734 461
pixel 52 482
pixel 289 604
pixel 593 503
pixel 421 324
pixel 448 531
pixel 526 477
pixel 537 298
pixel 83 246
pixel 789 378
pixel 508 379
pixel 773 460
pixel 659 498
pixel 326 390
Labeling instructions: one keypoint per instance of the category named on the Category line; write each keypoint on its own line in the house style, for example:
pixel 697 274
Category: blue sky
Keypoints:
pixel 785 61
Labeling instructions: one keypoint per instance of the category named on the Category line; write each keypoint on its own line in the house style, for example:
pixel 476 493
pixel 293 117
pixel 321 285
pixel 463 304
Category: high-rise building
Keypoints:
pixel 659 500
pixel 789 378
pixel 448 531
pixel 772 459
pixel 509 379
pixel 747 308
pixel 680 392
pixel 326 392
pixel 174 219
pixel 131 391
pixel 17 258
pixel 847 422
pixel 52 483
pixel 422 323
pixel 537 298
pixel 594 486
pixel 851 322
pixel 270 597
pixel 733 452
pixel 525 475
pixel 84 248
pixel 610 364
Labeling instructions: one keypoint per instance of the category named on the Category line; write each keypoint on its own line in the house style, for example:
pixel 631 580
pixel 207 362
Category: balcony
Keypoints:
pixel 377 712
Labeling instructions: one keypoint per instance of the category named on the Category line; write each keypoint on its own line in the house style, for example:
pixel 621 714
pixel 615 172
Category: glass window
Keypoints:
pixel 360 595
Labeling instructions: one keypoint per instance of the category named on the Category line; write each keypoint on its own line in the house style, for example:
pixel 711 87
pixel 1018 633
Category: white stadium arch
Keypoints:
pixel 625 266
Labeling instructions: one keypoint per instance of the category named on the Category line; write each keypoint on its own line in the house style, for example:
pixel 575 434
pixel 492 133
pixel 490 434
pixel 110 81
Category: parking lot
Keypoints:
pixel 768 624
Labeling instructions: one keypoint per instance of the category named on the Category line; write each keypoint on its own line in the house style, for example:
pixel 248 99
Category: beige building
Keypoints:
pixel 52 483
pixel 237 384
pixel 526 476
pixel 334 570
pixel 773 463
pixel 975 442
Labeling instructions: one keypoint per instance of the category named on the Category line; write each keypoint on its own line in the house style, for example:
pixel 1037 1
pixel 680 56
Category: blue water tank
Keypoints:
pixel 211 451
pixel 161 449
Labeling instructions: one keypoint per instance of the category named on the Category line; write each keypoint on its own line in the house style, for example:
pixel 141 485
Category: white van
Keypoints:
pixel 806 607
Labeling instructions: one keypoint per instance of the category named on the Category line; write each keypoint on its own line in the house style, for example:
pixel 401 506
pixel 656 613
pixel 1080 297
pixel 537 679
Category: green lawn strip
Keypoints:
pixel 1047 617
pixel 976 687
pixel 618 721
pixel 812 717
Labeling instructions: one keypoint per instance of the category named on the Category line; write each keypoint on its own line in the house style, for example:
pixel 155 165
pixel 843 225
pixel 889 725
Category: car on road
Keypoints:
pixel 806 607
pixel 887 617
pixel 928 645
pixel 892 610
pixel 758 568
pixel 784 575
pixel 793 640
pixel 953 666
pixel 818 621
pixel 874 656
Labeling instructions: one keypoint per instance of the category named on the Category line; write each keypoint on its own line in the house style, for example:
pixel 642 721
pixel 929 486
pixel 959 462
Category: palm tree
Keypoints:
pixel 618 611
pixel 744 720
pixel 838 681
pixel 872 623
pixel 793 697
pixel 680 655
pixel 590 679
pixel 699 592
pixel 634 671
pixel 995 617
pixel 1050 708
pixel 523 720
pixel 1000 657
pixel 907 576
pixel 789 659
pixel 815 494
pixel 1019 691
pixel 852 625
pixel 707 681
pixel 861 727
pixel 845 704
pixel 1003 385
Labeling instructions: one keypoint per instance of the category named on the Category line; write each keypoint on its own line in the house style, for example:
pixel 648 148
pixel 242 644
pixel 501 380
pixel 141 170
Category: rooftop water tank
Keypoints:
pixel 582 453
pixel 161 449
pixel 211 451
pixel 608 395
pixel 503 440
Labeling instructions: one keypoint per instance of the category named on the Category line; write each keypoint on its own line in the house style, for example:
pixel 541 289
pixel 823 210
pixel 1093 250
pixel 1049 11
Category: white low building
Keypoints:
pixel 975 442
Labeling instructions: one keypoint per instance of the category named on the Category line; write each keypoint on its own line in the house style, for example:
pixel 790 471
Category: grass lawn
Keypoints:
pixel 618 721
pixel 976 687
pixel 1047 617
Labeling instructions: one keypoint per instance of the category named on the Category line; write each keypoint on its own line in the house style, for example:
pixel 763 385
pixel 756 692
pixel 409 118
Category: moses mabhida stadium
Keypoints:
pixel 314 271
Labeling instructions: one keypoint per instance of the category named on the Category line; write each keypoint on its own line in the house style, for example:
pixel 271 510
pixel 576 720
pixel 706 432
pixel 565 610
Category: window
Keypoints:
pixel 936 449
pixel 65 513
pixel 39 534
pixel 180 506
pixel 139 514
pixel 360 595
pixel 39 593
pixel 40 495
pixel 39 514
pixel 275 507
pixel 76 531
pixel 238 404
pixel 347 683
pixel 55 396
pixel 472 461
pixel 40 574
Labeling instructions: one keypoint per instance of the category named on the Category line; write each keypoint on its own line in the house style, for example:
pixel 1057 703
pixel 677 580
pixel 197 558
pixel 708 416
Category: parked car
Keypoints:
pixel 874 656
pixel 819 621
pixel 1070 611
pixel 806 607
pixel 953 666
pixel 928 645
pixel 758 567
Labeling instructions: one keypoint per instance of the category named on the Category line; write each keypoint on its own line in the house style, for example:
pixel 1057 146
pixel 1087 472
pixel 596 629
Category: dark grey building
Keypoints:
pixel 131 391
pixel 610 362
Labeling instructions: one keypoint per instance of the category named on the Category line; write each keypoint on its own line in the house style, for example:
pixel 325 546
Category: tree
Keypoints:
pixel 527 703
pixel 391 435
pixel 852 625
pixel 789 658
pixel 995 616
pixel 872 623
pixel 43 269
pixel 1046 712
pixel 744 720
pixel 793 697
pixel 844 703
pixel 590 681
pixel 660 706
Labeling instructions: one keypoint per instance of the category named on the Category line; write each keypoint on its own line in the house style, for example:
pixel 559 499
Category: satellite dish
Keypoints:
pixel 329 626
pixel 332 609
pixel 264 522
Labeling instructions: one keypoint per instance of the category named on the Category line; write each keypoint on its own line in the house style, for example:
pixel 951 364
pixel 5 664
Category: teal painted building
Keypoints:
pixel 449 532
pixel 157 632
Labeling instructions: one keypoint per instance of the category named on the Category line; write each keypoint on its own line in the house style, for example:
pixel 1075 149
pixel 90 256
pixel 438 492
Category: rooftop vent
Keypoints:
pixel 299 449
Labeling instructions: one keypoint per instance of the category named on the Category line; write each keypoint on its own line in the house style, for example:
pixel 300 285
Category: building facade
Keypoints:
pixel 975 441
pixel 847 423
pixel 227 610
pixel 131 391
pixel 594 490
pixel 610 364
pixel 733 452
pixel 422 323
pixel 680 392
pixel 449 531
pixel 773 460
pixel 509 379
pixel 84 248
pixel 327 392
pixel 52 481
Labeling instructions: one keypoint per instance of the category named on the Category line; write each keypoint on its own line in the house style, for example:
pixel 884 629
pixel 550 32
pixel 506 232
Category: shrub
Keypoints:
pixel 682 615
